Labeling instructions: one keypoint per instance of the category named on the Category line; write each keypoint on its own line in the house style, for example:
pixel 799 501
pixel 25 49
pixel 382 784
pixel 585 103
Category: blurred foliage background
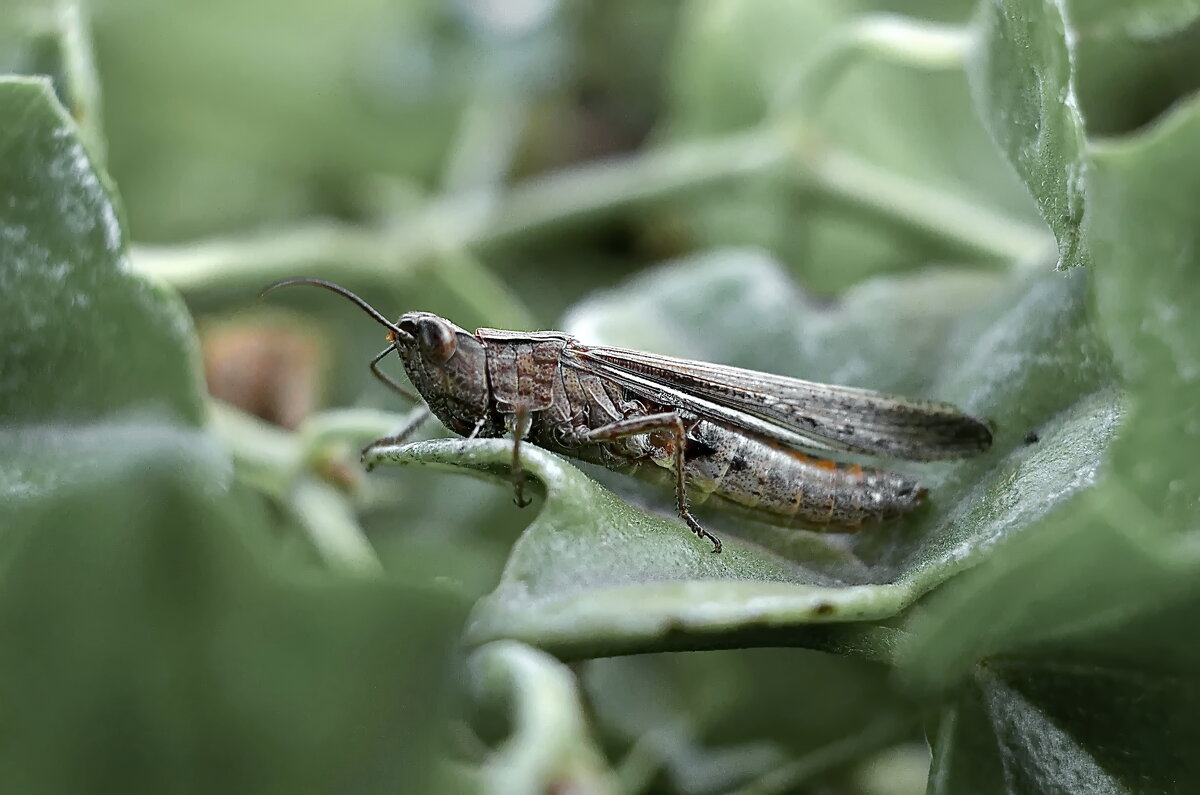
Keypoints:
pixel 991 203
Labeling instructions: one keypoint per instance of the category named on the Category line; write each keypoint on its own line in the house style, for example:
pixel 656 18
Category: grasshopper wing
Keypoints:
pixel 792 411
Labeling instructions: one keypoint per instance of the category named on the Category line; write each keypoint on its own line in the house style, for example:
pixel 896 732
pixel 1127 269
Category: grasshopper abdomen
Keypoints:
pixel 785 486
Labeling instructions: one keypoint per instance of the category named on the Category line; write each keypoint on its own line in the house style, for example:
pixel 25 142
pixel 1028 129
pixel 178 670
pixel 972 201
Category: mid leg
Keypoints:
pixel 521 421
pixel 671 422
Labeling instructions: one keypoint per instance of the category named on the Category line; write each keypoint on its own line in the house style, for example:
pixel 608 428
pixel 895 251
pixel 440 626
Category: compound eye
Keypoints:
pixel 436 340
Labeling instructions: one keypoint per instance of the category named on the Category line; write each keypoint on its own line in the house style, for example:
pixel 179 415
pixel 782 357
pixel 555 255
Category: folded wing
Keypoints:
pixel 795 412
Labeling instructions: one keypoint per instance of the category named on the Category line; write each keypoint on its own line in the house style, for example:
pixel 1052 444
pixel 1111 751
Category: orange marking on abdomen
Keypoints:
pixel 826 464
pixel 791 452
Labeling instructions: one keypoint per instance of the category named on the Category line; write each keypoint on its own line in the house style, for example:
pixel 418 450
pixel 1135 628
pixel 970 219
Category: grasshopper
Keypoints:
pixel 749 440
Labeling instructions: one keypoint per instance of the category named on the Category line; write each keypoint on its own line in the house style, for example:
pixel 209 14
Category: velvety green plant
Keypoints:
pixel 995 206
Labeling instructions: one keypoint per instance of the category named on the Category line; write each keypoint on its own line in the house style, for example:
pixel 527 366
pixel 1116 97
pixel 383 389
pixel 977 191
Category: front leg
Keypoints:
pixel 414 420
pixel 667 421
pixel 418 416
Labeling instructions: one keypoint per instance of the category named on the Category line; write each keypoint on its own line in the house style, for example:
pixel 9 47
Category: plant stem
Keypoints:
pixel 473 220
pixel 274 461
pixel 889 37
pixel 550 742
pixel 79 69
pixel 483 220
pixel 332 527
pixel 354 427
pixel 267 457
pixel 925 211
pixel 489 133
pixel 259 258
pixel 586 193
pixel 883 732
pixel 483 293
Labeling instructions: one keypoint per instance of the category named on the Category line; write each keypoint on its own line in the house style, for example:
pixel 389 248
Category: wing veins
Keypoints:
pixel 797 412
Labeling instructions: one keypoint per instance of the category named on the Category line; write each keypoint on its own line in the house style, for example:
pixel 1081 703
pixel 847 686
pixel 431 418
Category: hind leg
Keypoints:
pixel 671 422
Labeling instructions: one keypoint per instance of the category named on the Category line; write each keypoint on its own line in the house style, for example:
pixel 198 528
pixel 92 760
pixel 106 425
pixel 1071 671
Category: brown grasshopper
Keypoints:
pixel 742 437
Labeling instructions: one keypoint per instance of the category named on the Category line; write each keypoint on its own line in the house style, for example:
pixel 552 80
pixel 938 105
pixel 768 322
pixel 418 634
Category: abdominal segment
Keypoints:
pixel 786 486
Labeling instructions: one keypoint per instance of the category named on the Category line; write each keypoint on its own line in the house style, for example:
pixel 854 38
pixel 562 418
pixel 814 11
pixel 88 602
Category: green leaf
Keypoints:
pixel 715 721
pixel 83 337
pixel 88 346
pixel 1135 59
pixel 1128 541
pixel 1022 78
pixel 274 124
pixel 731 64
pixel 1146 238
pixel 593 575
pixel 1076 636
pixel 154 636
pixel 1115 711
pixel 549 748
pixel 1082 570
pixel 159 635
pixel 1088 621
pixel 54 40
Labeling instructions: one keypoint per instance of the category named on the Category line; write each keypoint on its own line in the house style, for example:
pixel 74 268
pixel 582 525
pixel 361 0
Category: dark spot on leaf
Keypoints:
pixel 738 464
pixel 1032 437
pixel 823 609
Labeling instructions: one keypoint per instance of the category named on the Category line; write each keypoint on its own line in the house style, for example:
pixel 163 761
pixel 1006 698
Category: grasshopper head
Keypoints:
pixel 446 364
pixel 435 338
